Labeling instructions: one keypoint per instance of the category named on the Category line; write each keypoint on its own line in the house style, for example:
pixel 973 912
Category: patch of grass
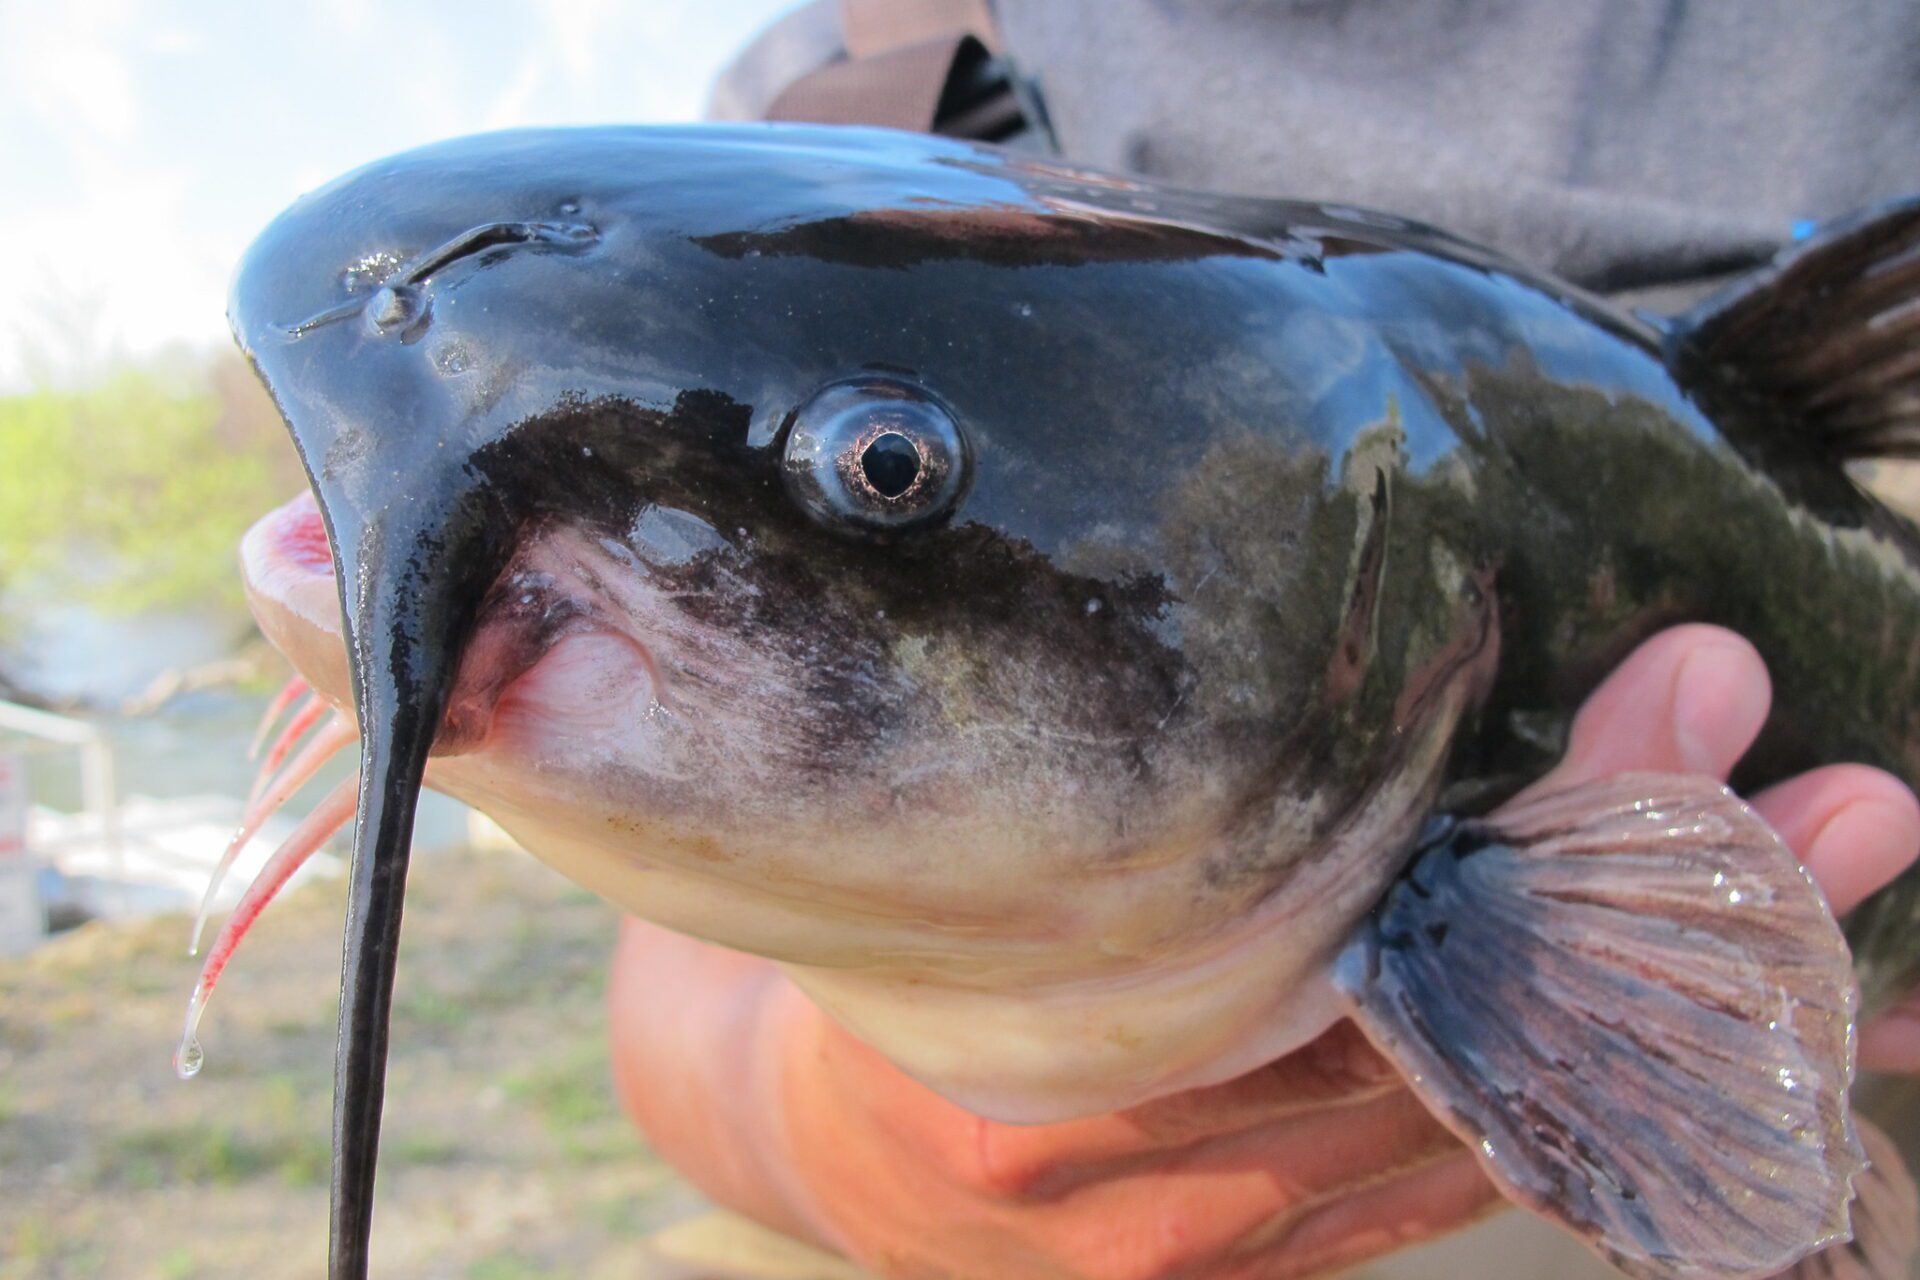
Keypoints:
pixel 571 1092
pixel 420 1149
pixel 425 1007
pixel 74 1009
pixel 178 1265
pixel 600 1146
pixel 36 1249
pixel 630 1213
pixel 573 1097
pixel 306 1164
pixel 33 1241
pixel 508 1266
pixel 132 982
pixel 19 1036
pixel 214 1155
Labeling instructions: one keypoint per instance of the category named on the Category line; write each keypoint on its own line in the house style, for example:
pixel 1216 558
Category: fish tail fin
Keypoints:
pixel 1830 329
pixel 1632 1003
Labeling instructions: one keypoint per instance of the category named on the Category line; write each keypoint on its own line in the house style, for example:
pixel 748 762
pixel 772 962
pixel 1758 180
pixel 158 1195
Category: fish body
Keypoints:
pixel 1041 609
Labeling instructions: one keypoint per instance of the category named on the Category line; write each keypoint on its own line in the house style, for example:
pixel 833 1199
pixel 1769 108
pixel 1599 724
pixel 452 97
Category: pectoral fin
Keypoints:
pixel 1886 1221
pixel 1633 1003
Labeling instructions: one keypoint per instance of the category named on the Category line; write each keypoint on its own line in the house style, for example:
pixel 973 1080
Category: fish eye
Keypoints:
pixel 875 455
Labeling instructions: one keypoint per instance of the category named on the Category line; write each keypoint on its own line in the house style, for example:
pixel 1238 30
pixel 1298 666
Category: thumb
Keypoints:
pixel 1690 700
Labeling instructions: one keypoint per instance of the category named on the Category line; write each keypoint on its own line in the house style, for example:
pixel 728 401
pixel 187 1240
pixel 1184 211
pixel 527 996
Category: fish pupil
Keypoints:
pixel 891 464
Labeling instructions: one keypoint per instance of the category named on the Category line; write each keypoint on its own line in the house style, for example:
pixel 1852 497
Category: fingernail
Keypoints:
pixel 1716 713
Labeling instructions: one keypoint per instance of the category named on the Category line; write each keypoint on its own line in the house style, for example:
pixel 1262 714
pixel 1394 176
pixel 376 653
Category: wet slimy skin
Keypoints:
pixel 1038 608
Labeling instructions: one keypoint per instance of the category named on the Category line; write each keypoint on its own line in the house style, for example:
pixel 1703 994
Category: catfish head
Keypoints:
pixel 925 567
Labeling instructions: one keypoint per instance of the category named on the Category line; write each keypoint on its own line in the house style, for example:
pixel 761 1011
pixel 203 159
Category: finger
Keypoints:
pixel 696 1032
pixel 885 1165
pixel 1891 1042
pixel 1166 1214
pixel 1403 1211
pixel 1855 828
pixel 1337 1068
pixel 1690 700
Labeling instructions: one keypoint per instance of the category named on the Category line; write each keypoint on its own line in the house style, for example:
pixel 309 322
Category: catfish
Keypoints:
pixel 1080 628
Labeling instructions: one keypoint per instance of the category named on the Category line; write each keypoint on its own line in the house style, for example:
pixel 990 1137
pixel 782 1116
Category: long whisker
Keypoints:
pixel 337 733
pixel 281 701
pixel 327 817
pixel 304 719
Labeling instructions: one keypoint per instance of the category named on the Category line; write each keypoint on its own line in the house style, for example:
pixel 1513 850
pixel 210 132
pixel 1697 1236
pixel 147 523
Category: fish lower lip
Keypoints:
pixel 287 570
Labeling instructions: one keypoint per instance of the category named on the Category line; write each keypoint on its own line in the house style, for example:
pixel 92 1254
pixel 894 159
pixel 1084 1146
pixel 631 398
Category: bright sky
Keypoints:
pixel 144 142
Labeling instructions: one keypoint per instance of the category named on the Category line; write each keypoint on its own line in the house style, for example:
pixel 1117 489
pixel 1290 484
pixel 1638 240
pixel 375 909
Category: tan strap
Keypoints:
pixel 930 66
pixel 900 89
pixel 871 28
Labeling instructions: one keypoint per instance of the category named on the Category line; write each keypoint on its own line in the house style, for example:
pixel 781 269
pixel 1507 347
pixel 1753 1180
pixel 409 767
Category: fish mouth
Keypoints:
pixel 286 565
pixel 525 669
pixel 537 664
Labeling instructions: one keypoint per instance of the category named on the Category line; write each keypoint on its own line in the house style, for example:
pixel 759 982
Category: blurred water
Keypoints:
pixel 196 743
pixel 67 651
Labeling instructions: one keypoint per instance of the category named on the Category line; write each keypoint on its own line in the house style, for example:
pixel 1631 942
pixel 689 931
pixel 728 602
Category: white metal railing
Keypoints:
pixel 97 791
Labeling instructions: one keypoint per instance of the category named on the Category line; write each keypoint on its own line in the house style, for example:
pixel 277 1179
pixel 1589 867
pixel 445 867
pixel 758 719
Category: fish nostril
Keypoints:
pixel 891 464
pixel 400 311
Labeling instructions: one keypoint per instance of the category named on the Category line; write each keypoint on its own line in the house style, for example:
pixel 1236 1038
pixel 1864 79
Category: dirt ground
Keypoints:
pixel 504 1158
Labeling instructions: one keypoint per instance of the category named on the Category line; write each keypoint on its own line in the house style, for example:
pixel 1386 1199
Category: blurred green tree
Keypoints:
pixel 130 491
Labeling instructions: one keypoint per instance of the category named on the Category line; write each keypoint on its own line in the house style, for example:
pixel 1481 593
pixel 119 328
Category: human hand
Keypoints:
pixel 1309 1165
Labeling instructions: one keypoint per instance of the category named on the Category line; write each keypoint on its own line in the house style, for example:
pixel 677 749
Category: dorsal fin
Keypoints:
pixel 1831 330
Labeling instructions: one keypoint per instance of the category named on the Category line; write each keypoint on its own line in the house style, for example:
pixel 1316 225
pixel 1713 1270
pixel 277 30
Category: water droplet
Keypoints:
pixel 1093 606
pixel 1023 309
pixel 188 1059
